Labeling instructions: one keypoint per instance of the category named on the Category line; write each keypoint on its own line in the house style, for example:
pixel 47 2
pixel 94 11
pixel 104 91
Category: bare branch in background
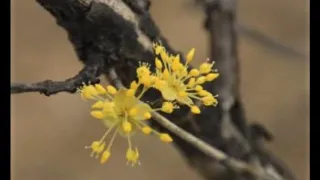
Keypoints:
pixel 119 33
pixel 222 26
pixel 253 33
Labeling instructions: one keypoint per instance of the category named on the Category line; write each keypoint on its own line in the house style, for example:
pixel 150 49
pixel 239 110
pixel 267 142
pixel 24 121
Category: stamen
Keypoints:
pixel 113 138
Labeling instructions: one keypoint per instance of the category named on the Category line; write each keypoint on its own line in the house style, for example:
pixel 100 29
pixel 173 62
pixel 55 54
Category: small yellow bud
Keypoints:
pixel 209 100
pixel 190 55
pixel 92 90
pixel 165 74
pixel 201 80
pixel 167 107
pixel 130 92
pixel 164 56
pixel 100 89
pixel 112 90
pixel 158 64
pixel 105 156
pixel 133 112
pixel 98 104
pixel 89 92
pixel 175 66
pixel 195 110
pixel 146 130
pixel 127 127
pixel 191 83
pixel 198 88
pixel 97 114
pixel 211 76
pixel 204 93
pixel 205 67
pixel 165 137
pixel 147 115
pixel 86 94
pixel 143 71
pixel 133 85
pixel 158 49
pixel 194 73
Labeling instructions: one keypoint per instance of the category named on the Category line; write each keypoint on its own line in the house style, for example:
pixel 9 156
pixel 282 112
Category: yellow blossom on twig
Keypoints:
pixel 177 83
pixel 122 112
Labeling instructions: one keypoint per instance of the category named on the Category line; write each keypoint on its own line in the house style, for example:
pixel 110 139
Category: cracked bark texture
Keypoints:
pixel 96 29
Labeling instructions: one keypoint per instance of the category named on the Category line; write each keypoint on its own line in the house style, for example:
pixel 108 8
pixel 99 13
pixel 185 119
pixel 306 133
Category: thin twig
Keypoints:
pixel 89 74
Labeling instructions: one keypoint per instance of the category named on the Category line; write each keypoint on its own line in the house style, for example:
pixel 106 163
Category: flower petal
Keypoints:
pixel 123 101
pixel 185 100
pixel 142 108
pixel 168 93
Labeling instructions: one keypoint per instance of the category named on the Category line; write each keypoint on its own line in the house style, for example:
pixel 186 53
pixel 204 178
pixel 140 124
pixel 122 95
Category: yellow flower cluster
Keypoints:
pixel 177 83
pixel 122 112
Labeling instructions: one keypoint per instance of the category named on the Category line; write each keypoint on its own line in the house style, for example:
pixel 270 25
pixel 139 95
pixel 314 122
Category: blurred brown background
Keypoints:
pixel 49 134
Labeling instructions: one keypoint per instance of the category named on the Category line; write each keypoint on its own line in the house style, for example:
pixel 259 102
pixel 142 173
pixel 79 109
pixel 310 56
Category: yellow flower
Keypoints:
pixel 143 70
pixel 132 156
pixel 168 107
pixel 122 112
pixel 177 83
pixel 144 77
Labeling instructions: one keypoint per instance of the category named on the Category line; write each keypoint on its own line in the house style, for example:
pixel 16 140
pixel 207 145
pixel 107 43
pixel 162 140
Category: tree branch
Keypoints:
pixel 89 74
pixel 222 25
